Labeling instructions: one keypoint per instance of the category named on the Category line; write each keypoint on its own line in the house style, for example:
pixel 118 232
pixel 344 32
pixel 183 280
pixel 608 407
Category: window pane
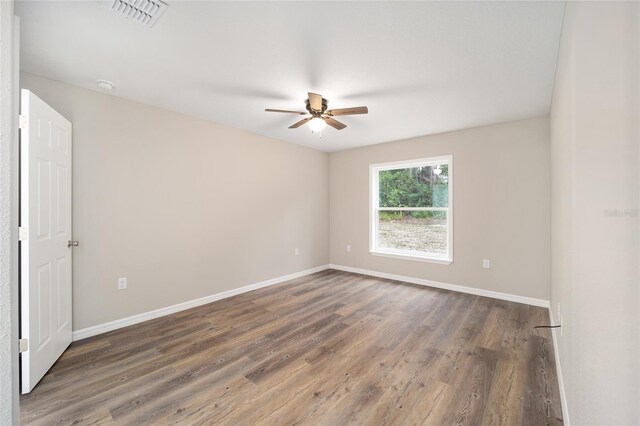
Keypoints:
pixel 421 231
pixel 414 187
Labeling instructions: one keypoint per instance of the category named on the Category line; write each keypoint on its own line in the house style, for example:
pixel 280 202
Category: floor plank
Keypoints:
pixel 330 348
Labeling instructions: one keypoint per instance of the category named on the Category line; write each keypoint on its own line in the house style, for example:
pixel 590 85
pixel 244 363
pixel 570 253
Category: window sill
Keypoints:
pixel 440 260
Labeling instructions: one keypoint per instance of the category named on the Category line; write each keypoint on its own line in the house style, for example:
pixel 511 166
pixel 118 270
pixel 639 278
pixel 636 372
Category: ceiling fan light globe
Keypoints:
pixel 317 124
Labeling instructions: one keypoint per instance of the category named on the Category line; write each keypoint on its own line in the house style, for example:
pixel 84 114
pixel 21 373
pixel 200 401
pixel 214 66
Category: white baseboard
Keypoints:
pixel 453 287
pixel 145 316
pixel 563 395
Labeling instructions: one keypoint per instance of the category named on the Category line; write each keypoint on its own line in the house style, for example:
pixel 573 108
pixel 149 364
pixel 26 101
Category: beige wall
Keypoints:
pixel 595 151
pixel 501 207
pixel 181 207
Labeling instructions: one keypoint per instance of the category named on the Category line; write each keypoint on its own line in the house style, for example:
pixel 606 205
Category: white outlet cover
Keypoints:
pixel 486 263
pixel 122 283
pixel 297 252
pixel 348 247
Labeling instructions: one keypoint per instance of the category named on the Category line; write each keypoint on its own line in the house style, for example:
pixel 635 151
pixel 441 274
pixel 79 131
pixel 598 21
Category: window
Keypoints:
pixel 410 209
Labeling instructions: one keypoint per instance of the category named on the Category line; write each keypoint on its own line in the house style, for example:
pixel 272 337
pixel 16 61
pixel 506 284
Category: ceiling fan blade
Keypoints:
pixel 334 123
pixel 348 111
pixel 300 123
pixel 315 101
pixel 285 110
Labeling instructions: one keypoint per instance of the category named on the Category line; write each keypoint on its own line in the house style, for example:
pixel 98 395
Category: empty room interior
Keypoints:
pixel 322 213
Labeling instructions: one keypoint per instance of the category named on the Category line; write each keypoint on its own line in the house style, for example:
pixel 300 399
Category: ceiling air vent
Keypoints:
pixel 145 12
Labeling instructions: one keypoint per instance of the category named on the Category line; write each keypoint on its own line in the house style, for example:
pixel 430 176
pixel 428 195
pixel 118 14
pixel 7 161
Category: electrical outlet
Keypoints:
pixel 348 247
pixel 122 283
pixel 297 252
pixel 486 263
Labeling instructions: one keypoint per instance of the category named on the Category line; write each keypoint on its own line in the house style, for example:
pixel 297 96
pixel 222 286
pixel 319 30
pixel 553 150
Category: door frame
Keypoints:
pixel 9 83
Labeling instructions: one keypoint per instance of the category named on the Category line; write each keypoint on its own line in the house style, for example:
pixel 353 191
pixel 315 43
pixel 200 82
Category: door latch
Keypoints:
pixel 73 243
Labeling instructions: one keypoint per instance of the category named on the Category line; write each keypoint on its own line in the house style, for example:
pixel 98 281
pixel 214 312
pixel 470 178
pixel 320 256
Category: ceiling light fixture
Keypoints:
pixel 318 115
pixel 317 124
pixel 105 85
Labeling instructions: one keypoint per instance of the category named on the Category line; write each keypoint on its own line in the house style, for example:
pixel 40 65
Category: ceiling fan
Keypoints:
pixel 320 116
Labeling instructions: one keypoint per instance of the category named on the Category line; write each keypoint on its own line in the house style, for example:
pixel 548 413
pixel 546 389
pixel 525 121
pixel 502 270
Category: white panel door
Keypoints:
pixel 45 252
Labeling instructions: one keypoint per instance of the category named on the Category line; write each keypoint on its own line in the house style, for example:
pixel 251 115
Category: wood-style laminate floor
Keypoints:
pixel 331 348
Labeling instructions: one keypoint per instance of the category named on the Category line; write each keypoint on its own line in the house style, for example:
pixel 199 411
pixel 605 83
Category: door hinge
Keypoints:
pixel 23 121
pixel 23 234
pixel 24 345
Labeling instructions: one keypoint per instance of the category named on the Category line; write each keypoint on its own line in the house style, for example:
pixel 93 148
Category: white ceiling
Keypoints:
pixel 421 68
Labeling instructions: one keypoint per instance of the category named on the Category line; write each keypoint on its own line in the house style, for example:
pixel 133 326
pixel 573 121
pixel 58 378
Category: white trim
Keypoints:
pixel 9 65
pixel 413 209
pixel 453 287
pixel 407 256
pixel 563 395
pixel 419 162
pixel 374 207
pixel 146 316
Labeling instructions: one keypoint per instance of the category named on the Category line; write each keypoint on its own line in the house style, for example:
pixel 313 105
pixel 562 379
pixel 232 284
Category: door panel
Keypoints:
pixel 43 191
pixel 61 187
pixel 45 212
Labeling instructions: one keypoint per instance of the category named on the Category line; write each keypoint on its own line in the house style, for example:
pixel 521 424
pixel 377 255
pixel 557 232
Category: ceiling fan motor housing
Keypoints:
pixel 313 112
